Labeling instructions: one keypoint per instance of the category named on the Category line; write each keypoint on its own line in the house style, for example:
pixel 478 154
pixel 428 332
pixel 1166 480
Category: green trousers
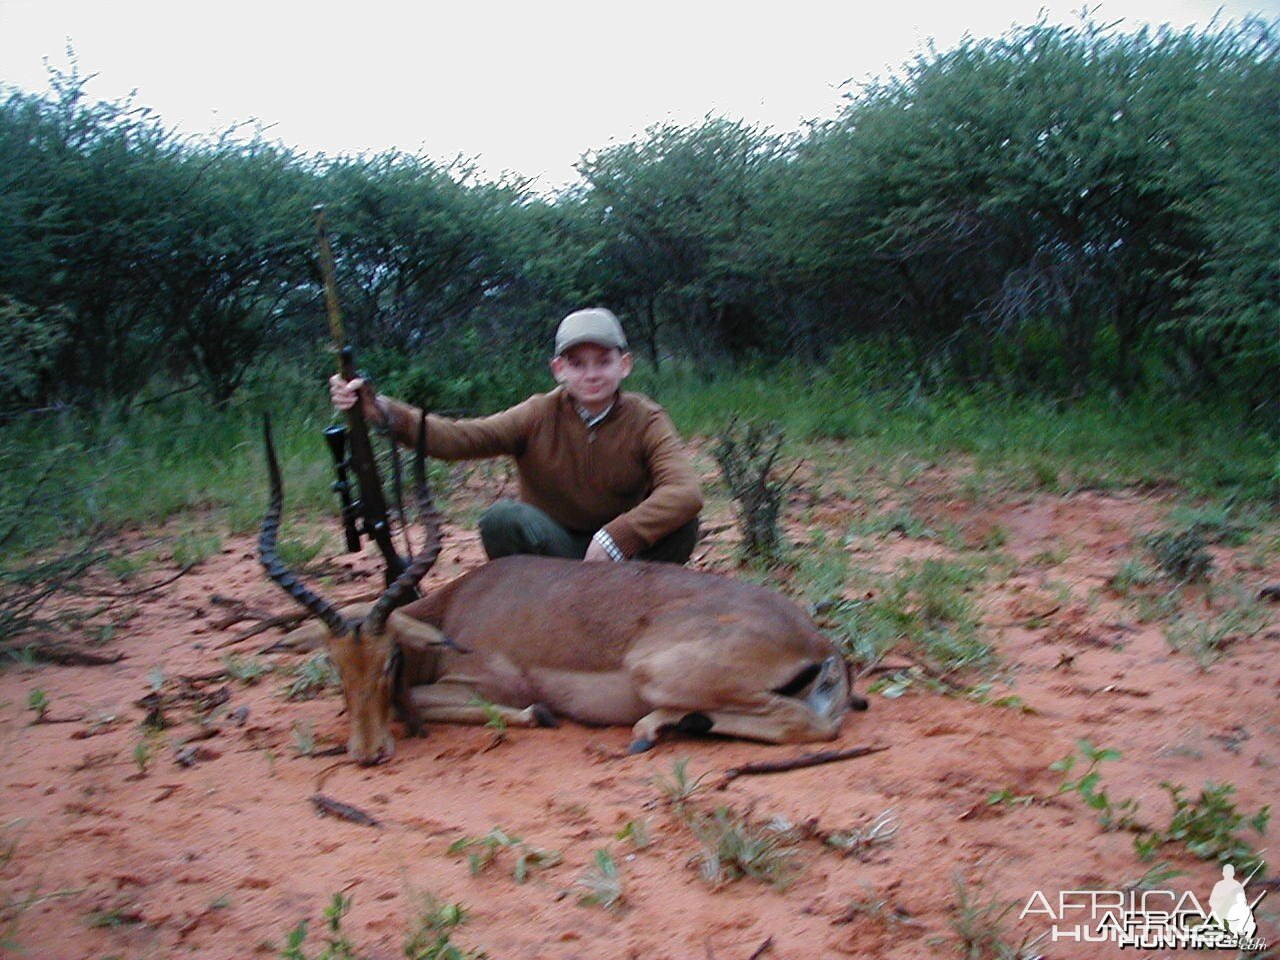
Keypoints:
pixel 510 527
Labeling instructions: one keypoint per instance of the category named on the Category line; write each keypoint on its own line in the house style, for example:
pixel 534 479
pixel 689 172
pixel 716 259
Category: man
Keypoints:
pixel 603 473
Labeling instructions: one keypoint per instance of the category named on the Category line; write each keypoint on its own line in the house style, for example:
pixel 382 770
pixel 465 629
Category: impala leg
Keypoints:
pixel 779 720
pixel 784 721
pixel 451 703
pixel 645 732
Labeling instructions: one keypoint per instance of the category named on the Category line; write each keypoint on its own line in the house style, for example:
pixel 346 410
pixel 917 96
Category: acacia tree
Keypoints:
pixel 413 243
pixel 230 261
pixel 676 209
pixel 1029 192
pixel 80 220
pixel 1230 327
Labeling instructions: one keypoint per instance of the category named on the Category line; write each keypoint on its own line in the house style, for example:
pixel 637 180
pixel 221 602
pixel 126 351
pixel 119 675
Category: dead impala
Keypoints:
pixel 530 638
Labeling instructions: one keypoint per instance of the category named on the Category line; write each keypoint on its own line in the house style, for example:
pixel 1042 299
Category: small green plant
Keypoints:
pixel 1207 640
pixel 430 939
pixel 304 738
pixel 636 831
pixel 678 789
pixel 1217 522
pixel 929 604
pixel 142 753
pixel 297 553
pixel 1112 815
pixel 1044 475
pixel 314 676
pixel 600 883
pixel 494 721
pixel 860 841
pixel 733 848
pixel 1051 558
pixel 979 927
pixel 863 630
pixel 747 455
pixel 336 946
pixel 1156 878
pixel 248 670
pixel 124 567
pixel 485 850
pixel 155 679
pixel 193 548
pixel 1007 797
pixel 1209 826
pixel 38 702
pixel 879 910
pixel 1181 555
pixel 1130 574
pixel 899 520
pixel 113 919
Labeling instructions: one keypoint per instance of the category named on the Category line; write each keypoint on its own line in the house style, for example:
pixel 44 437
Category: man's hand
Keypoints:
pixel 596 552
pixel 344 394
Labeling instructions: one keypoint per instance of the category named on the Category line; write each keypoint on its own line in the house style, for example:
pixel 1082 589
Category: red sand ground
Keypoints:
pixel 221 859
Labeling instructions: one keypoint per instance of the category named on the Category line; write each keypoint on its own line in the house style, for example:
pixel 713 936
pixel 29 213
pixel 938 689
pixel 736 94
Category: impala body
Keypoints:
pixel 528 639
pixel 642 644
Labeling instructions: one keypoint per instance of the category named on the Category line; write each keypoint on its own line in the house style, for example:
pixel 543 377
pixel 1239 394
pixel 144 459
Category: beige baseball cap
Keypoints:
pixel 595 325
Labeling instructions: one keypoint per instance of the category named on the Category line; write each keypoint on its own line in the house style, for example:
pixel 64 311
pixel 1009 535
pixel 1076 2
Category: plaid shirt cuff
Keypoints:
pixel 606 542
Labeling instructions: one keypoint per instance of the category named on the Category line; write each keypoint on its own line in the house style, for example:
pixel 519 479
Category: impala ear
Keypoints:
pixel 414 634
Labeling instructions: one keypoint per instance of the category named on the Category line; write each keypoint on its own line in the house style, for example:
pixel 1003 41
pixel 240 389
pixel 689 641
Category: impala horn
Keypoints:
pixel 430 518
pixel 269 556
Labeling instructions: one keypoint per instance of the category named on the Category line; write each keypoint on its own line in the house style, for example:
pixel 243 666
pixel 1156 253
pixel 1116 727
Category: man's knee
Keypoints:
pixel 676 547
pixel 511 527
pixel 501 517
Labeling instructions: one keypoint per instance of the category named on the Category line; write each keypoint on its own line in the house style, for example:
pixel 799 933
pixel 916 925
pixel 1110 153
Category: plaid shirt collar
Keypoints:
pixel 591 420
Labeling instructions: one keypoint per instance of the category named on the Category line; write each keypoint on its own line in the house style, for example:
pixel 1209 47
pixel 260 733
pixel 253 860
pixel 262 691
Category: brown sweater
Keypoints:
pixel 628 474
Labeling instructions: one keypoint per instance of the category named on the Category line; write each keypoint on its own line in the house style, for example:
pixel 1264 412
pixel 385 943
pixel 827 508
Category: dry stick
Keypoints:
pixel 327 806
pixel 795 763
pixel 238 610
pixel 283 620
pixel 759 951
pixel 192 679
pixel 74 657
pixel 323 775
pixel 141 591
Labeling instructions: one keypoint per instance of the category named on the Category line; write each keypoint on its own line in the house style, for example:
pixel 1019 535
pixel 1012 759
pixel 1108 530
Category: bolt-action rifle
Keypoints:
pixel 365 512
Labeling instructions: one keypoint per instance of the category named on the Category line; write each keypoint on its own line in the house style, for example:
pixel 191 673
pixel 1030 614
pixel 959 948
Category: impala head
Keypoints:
pixel 362 645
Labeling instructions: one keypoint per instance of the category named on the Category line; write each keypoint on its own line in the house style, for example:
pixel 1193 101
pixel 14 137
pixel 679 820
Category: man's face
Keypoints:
pixel 591 373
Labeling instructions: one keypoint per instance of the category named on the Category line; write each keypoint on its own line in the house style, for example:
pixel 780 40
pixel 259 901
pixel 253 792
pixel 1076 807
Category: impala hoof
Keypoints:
pixel 695 723
pixel 857 703
pixel 543 717
pixel 640 745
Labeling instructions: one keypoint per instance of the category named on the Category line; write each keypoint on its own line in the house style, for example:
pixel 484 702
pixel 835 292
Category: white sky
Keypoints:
pixel 520 85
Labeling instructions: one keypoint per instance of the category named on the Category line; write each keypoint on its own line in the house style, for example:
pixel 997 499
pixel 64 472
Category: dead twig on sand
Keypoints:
pixel 239 611
pixel 795 763
pixel 327 806
pixel 286 621
pixel 141 591
pixel 69 656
